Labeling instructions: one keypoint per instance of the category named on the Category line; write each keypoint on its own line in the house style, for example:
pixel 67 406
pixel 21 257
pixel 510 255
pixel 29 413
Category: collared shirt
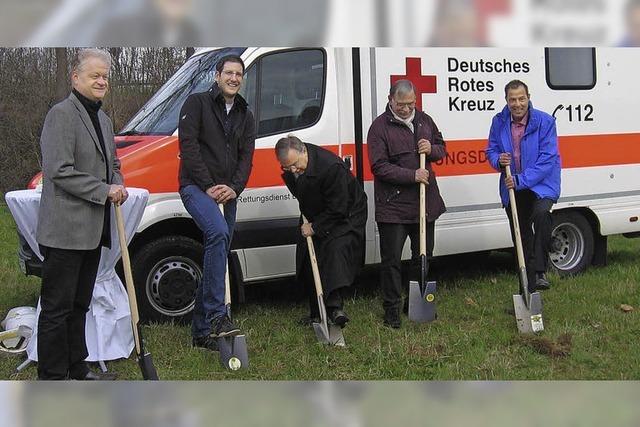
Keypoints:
pixel 517 131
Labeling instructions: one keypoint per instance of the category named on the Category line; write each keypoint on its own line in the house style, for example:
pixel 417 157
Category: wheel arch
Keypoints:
pixel 181 226
pixel 185 226
pixel 587 213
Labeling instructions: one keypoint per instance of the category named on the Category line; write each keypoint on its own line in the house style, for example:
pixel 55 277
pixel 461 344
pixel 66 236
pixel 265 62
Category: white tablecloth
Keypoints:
pixel 108 329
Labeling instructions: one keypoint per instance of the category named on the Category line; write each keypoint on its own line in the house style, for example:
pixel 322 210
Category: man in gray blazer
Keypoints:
pixel 81 177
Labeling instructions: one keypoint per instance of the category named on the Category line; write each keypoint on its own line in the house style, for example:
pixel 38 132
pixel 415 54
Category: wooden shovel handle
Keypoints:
pixel 314 261
pixel 128 278
pixel 524 280
pixel 516 222
pixel 423 209
pixel 227 282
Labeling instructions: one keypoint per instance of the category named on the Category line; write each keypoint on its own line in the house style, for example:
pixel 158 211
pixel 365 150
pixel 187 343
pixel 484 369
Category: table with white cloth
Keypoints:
pixel 108 329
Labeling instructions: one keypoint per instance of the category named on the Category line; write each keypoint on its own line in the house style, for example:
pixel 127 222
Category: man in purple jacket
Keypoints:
pixel 525 139
pixel 395 140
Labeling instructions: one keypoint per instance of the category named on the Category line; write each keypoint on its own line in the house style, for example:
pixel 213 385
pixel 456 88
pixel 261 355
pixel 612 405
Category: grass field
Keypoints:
pixel 474 338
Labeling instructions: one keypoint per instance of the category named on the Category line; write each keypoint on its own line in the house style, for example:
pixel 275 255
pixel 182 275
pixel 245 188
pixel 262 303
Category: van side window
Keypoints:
pixel 290 91
pixel 570 68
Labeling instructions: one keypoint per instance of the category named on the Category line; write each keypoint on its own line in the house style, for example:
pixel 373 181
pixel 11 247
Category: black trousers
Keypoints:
pixel 68 278
pixel 332 300
pixel 392 238
pixel 534 217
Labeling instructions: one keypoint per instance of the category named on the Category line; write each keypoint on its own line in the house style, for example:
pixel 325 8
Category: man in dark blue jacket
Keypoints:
pixel 526 140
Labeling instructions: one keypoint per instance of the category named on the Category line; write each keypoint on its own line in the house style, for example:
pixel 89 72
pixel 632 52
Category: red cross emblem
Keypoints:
pixel 423 84
pixel 486 9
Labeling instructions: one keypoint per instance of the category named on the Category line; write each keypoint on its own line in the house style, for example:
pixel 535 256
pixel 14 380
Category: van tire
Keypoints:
pixel 166 272
pixel 572 243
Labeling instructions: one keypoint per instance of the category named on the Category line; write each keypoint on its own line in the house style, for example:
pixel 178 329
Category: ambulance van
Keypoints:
pixel 329 97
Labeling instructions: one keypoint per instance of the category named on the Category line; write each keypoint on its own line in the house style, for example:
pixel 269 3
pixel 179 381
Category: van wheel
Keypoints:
pixel 571 243
pixel 167 272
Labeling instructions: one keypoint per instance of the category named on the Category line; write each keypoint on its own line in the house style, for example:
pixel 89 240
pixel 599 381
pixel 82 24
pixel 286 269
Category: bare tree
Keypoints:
pixel 62 74
pixel 34 79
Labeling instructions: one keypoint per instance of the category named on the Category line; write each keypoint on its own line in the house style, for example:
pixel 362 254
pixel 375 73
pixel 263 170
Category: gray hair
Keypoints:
pixel 290 142
pixel 401 87
pixel 84 55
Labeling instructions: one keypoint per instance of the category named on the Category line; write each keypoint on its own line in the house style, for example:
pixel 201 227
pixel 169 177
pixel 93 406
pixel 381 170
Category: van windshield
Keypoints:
pixel 159 116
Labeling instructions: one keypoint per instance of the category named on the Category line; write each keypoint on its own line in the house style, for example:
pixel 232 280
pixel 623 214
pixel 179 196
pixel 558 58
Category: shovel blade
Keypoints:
pixel 528 319
pixel 147 368
pixel 322 332
pixel 233 352
pixel 335 336
pixel 329 334
pixel 422 305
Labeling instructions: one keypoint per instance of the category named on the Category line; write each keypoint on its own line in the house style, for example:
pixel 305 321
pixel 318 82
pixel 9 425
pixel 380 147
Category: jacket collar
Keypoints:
pixel 312 163
pixel 389 114
pixel 216 95
pixel 86 120
pixel 93 106
pixel 532 124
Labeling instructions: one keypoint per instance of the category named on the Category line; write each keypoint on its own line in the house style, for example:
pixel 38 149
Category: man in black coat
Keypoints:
pixel 217 141
pixel 335 205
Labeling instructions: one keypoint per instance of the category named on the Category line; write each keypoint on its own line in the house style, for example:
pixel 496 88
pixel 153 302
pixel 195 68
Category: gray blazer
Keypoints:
pixel 75 186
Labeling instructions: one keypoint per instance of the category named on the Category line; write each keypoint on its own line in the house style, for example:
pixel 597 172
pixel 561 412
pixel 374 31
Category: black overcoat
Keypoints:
pixel 334 202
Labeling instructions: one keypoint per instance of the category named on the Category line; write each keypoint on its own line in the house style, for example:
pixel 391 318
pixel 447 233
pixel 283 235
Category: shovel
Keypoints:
pixel 144 358
pixel 326 333
pixel 233 349
pixel 528 306
pixel 422 306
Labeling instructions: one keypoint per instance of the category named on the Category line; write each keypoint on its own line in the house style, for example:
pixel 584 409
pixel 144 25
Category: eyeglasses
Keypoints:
pixel 292 167
pixel 232 73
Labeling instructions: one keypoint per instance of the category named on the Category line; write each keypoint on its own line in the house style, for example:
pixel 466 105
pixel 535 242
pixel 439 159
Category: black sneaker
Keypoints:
pixel 206 342
pixel 224 327
pixel 392 318
pixel 338 317
pixel 542 283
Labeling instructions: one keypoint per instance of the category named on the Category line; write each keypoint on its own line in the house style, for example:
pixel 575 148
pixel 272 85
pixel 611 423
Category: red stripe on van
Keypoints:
pixel 154 165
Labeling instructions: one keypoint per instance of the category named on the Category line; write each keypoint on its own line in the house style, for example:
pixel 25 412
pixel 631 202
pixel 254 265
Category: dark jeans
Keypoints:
pixel 68 278
pixel 392 238
pixel 217 230
pixel 535 228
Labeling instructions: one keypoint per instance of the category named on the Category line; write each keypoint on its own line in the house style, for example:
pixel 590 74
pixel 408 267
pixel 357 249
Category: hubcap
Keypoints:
pixel 567 246
pixel 171 286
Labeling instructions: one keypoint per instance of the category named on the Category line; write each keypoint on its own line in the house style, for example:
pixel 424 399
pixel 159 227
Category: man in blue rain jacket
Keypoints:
pixel 525 139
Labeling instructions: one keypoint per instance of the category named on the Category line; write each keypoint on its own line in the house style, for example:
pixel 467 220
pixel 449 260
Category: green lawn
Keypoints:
pixel 474 338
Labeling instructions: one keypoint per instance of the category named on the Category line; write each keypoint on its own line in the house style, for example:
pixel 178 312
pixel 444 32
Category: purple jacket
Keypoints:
pixel 394 159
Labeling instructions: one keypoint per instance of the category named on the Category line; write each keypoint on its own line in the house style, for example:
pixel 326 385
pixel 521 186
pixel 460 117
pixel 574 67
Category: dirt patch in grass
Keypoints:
pixel 561 347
